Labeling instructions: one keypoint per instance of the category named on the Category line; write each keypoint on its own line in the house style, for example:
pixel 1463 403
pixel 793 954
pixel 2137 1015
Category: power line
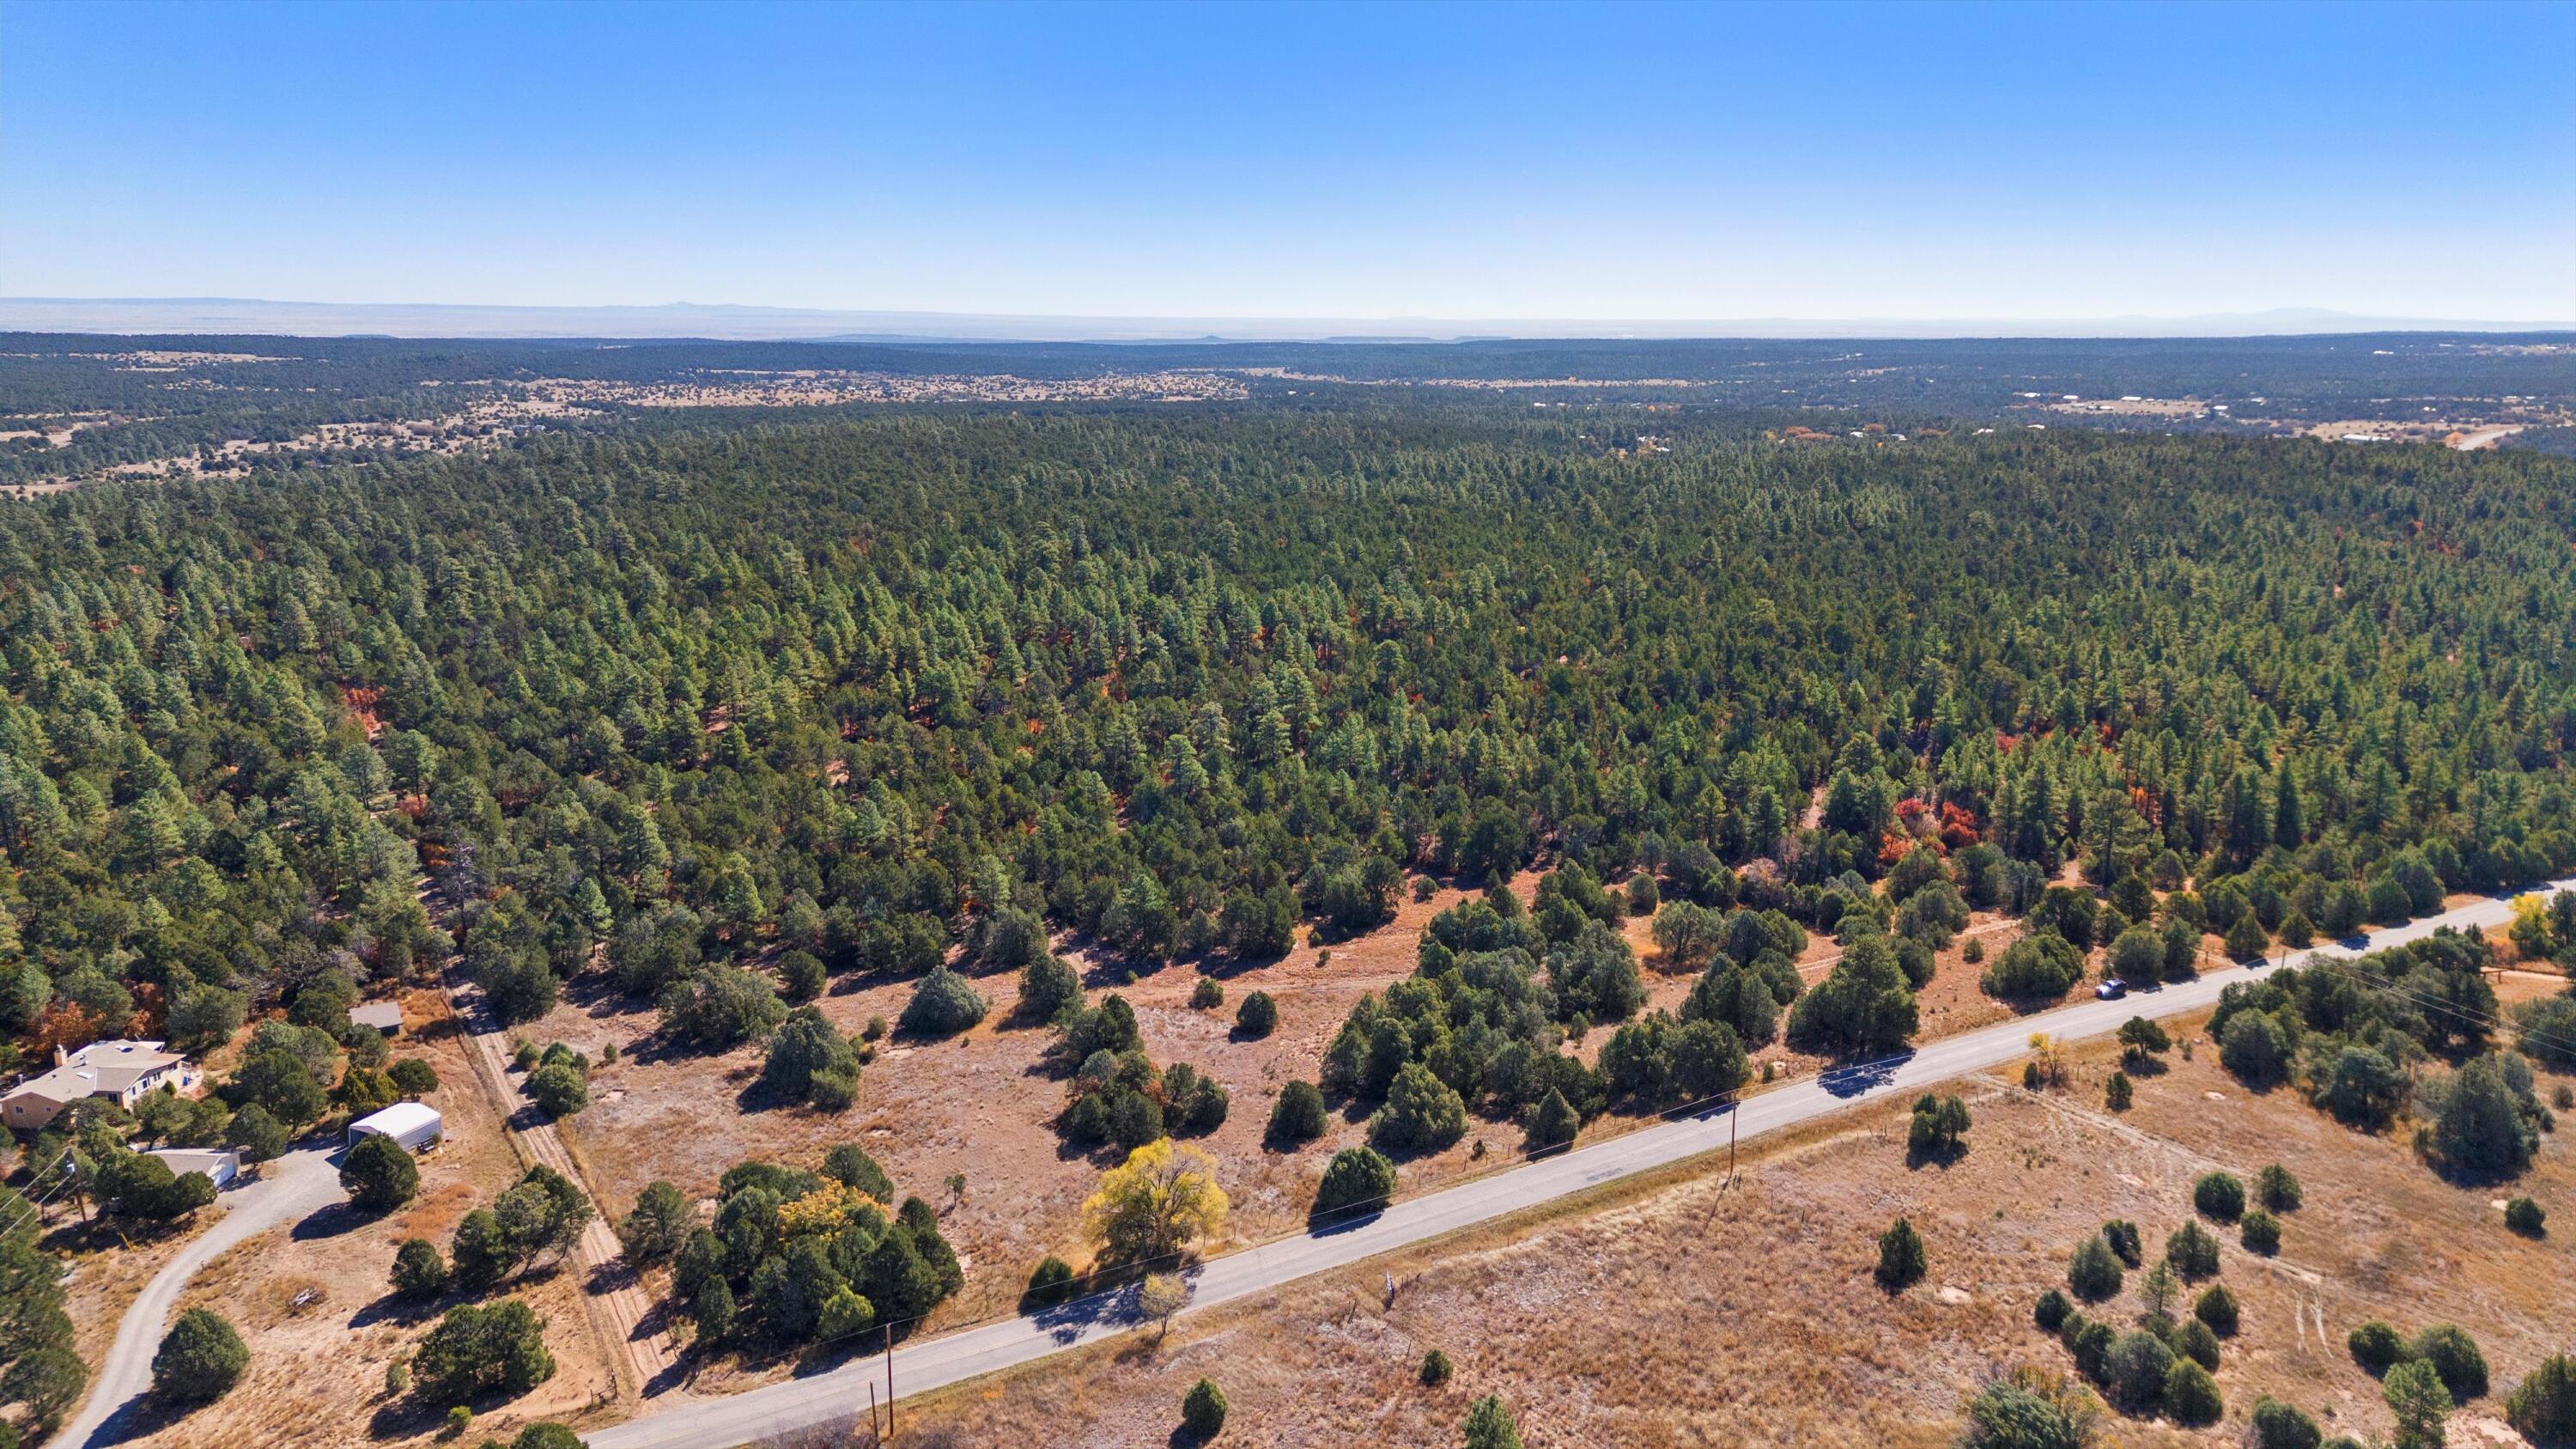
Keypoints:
pixel 2350 969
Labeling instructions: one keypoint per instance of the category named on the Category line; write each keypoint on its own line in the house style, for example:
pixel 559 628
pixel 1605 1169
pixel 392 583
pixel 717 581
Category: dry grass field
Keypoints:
pixel 982 1104
pixel 1667 1312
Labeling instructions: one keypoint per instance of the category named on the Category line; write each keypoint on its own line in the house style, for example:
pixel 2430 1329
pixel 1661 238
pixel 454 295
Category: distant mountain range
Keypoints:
pixel 236 315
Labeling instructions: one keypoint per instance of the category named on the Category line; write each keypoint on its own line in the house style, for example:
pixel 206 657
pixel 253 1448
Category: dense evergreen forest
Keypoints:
pixel 1174 683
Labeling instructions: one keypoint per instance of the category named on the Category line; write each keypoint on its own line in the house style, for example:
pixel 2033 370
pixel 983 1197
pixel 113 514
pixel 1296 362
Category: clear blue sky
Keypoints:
pixel 1445 161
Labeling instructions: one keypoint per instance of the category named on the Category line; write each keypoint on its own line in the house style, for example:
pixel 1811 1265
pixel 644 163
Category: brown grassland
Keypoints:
pixel 982 1104
pixel 1668 1312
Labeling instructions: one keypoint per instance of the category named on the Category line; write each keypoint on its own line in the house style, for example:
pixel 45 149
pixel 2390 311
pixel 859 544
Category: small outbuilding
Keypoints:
pixel 384 1016
pixel 412 1124
pixel 218 1164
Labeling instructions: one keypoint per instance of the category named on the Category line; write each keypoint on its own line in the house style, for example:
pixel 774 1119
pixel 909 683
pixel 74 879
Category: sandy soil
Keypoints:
pixel 1670 1313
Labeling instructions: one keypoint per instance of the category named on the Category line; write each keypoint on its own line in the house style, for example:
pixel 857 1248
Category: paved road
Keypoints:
pixel 294 1186
pixel 936 1362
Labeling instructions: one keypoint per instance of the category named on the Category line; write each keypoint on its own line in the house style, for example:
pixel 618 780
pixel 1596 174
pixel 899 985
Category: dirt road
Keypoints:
pixel 647 1357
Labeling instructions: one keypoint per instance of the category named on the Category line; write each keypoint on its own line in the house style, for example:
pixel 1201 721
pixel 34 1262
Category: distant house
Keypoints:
pixel 217 1163
pixel 412 1124
pixel 122 1070
pixel 384 1016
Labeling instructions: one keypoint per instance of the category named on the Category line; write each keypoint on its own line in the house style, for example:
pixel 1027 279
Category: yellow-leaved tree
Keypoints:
pixel 1160 1200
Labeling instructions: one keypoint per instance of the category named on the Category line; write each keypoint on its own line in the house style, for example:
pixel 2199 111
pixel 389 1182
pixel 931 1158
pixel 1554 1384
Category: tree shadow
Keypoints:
pixel 759 1096
pixel 1861 1077
pixel 392 1308
pixel 139 1417
pixel 1534 1152
pixel 1103 1155
pixel 609 1276
pixel 411 1416
pixel 1344 1219
pixel 330 1221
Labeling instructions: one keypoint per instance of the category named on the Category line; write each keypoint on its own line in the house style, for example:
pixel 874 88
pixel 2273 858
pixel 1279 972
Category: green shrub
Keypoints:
pixel 2453 1355
pixel 199 1360
pixel 800 976
pixel 2278 1190
pixel 2135 1372
pixel 2276 1425
pixel 1357 1180
pixel 2090 1341
pixel 2543 1406
pixel 379 1174
pixel 850 1165
pixel 2196 1341
pixel 2042 966
pixel 1203 1409
pixel 1901 1260
pixel 420 1275
pixel 1435 1369
pixel 1258 1016
pixel 1051 1284
pixel 2193 1252
pixel 1490 1425
pixel 1298 1116
pixel 2261 1232
pixel 1208 995
pixel 2255 1048
pixel 1047 988
pixel 1422 1113
pixel 2051 1310
pixel 558 1089
pixel 2093 1273
pixel 2122 1235
pixel 942 1005
pixel 2416 1396
pixel 1551 1124
pixel 2219 1195
pixel 1938 1129
pixel 2191 1395
pixel 475 1349
pixel 659 1224
pixel 2217 1308
pixel 2376 1347
pixel 2526 1217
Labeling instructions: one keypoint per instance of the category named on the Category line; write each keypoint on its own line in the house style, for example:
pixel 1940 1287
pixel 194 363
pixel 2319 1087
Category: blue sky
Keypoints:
pixel 1560 161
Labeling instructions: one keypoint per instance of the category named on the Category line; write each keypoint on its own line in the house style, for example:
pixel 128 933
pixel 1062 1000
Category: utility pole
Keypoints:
pixel 889 1362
